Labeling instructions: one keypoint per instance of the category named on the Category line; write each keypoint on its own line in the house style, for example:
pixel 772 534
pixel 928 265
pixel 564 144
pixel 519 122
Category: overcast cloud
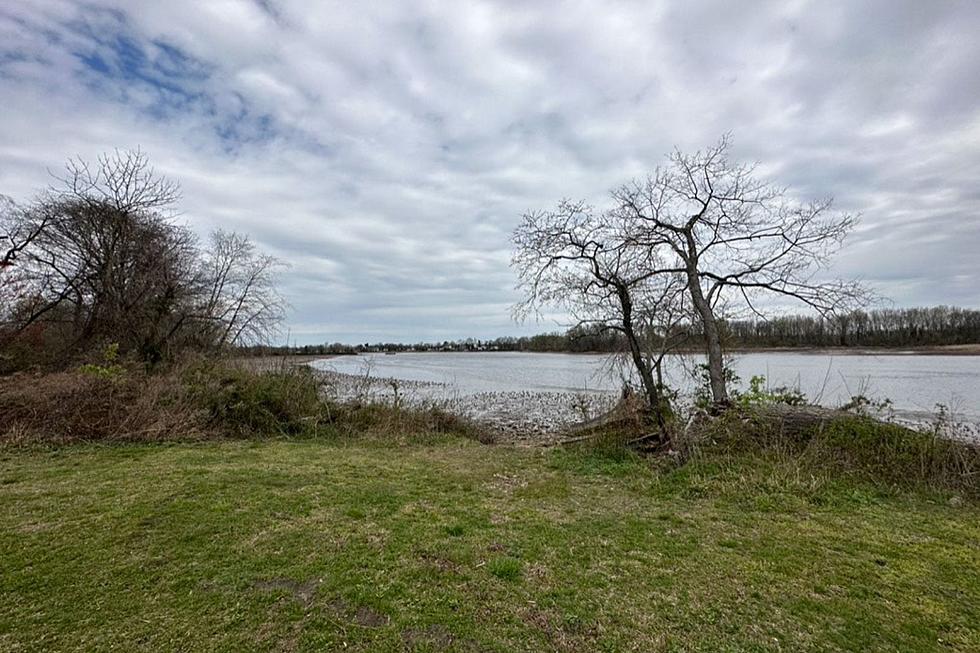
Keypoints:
pixel 386 150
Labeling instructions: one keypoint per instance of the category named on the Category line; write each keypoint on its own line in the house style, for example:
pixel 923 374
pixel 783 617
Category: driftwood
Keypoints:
pixel 627 413
pixel 794 420
pixel 791 420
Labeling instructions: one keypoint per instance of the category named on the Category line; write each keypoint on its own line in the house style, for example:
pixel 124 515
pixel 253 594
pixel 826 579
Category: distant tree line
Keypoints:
pixel 894 327
pixel 897 327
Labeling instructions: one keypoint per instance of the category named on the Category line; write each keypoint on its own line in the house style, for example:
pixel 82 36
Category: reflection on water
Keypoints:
pixel 915 384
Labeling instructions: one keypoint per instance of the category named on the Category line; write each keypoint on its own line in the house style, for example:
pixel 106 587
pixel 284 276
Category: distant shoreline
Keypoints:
pixel 932 350
pixel 267 361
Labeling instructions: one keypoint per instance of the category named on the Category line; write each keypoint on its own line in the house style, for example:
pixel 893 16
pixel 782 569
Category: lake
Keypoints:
pixel 914 383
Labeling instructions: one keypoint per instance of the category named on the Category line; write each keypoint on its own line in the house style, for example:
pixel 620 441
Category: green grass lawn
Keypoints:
pixel 452 545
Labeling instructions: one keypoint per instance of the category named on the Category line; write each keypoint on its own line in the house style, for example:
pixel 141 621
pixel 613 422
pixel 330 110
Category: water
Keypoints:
pixel 914 384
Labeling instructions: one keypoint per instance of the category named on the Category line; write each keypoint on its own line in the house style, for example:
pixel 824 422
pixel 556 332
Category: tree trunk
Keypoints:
pixel 650 387
pixel 712 339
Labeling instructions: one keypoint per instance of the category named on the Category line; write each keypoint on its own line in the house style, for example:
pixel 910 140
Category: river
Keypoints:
pixel 914 384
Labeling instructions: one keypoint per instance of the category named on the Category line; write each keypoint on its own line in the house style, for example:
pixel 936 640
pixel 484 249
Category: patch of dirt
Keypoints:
pixel 440 563
pixel 563 637
pixel 362 615
pixel 365 616
pixel 435 636
pixel 507 483
pixel 283 643
pixel 301 591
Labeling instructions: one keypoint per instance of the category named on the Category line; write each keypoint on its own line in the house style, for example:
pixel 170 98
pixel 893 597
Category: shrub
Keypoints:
pixel 111 402
pixel 285 401
pixel 109 368
pixel 899 455
pixel 759 394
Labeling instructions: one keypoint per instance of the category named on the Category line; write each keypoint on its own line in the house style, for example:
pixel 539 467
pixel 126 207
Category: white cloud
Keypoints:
pixel 388 150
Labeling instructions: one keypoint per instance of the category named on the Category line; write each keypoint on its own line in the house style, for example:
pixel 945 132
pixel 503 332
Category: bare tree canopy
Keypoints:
pixel 124 181
pixel 242 303
pixel 16 234
pixel 579 261
pixel 735 237
pixel 699 234
pixel 100 258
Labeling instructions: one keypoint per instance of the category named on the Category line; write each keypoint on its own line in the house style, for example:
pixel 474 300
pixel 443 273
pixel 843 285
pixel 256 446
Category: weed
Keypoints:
pixel 506 568
pixel 109 368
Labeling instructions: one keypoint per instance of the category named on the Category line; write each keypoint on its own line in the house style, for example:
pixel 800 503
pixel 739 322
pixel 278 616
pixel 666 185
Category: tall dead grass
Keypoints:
pixel 196 400
pixel 73 406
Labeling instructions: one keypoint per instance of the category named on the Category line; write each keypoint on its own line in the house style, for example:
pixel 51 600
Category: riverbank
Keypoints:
pixel 512 417
pixel 447 545
pixel 273 363
pixel 533 398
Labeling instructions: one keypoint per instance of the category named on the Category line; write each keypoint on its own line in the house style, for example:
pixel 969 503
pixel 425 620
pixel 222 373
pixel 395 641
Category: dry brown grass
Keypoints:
pixel 75 406
pixel 200 399
pixel 383 421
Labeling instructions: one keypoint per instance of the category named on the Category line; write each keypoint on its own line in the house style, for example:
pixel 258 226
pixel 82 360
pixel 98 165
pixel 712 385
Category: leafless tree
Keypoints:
pixel 101 258
pixel 16 233
pixel 734 236
pixel 243 305
pixel 578 261
pixel 123 180
pixel 14 238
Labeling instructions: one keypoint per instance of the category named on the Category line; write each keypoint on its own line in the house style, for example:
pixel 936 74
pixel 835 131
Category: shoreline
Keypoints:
pixel 930 350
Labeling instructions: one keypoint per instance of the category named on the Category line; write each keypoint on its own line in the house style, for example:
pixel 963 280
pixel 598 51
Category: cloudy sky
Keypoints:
pixel 387 150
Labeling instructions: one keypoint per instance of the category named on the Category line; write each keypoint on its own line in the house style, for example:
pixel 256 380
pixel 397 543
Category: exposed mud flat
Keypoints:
pixel 528 417
pixel 947 427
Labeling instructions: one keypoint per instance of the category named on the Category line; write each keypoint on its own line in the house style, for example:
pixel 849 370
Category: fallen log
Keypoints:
pixel 794 420
pixel 790 420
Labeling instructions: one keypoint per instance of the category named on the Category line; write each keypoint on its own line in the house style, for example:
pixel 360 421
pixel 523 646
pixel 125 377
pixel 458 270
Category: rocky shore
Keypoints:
pixel 518 416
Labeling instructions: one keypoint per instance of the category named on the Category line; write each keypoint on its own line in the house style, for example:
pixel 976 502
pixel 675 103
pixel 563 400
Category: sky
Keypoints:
pixel 386 151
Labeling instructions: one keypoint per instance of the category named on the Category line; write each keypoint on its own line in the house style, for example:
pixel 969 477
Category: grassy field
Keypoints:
pixel 452 545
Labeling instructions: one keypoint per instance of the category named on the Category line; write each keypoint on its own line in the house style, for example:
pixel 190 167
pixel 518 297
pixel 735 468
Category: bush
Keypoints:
pixel 759 394
pixel 899 455
pixel 285 401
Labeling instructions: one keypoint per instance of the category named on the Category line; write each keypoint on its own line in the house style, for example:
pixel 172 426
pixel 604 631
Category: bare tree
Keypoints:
pixel 733 237
pixel 123 180
pixel 242 305
pixel 16 233
pixel 579 262
pixel 101 258
pixel 107 260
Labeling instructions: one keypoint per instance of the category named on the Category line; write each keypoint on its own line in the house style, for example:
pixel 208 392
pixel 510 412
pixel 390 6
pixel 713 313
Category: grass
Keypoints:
pixel 446 544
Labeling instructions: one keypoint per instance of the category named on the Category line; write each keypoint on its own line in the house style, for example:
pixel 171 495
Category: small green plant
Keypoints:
pixel 759 395
pixel 109 369
pixel 506 568
pixel 455 530
pixel 862 405
pixel 702 395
